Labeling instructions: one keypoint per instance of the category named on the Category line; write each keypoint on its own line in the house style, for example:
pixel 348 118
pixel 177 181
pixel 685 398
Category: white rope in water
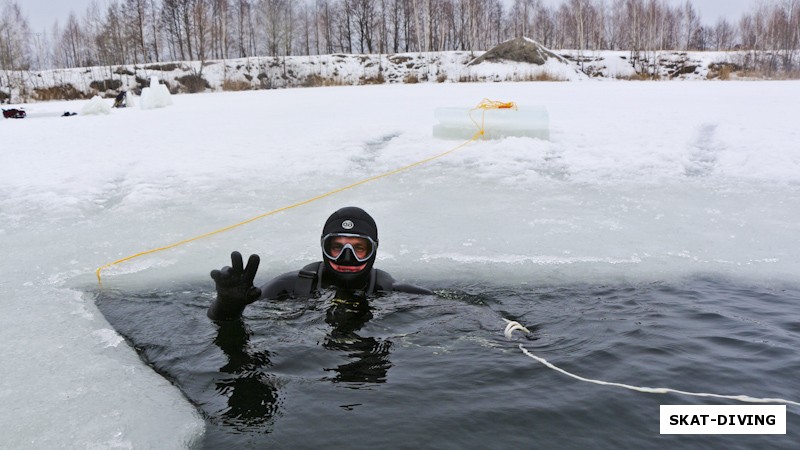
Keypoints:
pixel 741 398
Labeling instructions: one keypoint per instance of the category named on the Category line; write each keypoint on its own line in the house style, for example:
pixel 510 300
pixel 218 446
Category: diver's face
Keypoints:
pixel 361 247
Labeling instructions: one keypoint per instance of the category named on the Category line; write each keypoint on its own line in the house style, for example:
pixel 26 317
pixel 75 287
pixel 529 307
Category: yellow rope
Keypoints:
pixel 484 105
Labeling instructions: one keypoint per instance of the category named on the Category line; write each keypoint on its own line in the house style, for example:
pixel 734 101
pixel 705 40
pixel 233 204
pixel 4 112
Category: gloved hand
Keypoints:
pixel 235 288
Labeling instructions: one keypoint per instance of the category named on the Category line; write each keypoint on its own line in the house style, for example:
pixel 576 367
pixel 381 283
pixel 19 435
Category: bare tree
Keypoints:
pixel 155 33
pixel 521 17
pixel 544 25
pixel 199 22
pixel 72 42
pixel 220 32
pixel 305 14
pixel 783 31
pixel 691 24
pixel 174 28
pixel 723 34
pixel 326 23
pixel 243 26
pixel 111 40
pixel 364 18
pixel 14 38
pixel 289 19
pixel 135 15
pixel 383 30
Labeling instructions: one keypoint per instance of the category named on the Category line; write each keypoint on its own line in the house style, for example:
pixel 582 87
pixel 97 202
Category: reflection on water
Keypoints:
pixel 437 370
pixel 252 395
pixel 369 357
pixel 246 394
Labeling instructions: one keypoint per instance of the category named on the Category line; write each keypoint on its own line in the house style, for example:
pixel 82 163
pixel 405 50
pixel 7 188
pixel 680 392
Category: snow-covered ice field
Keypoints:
pixel 639 181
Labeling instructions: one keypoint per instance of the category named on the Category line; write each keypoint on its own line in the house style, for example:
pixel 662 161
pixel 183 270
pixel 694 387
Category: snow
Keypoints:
pixel 639 182
pixel 256 73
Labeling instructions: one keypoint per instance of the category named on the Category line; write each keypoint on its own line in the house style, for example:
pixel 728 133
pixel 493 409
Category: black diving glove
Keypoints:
pixel 235 288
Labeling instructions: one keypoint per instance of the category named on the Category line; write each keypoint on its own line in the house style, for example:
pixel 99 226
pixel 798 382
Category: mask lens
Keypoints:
pixel 334 245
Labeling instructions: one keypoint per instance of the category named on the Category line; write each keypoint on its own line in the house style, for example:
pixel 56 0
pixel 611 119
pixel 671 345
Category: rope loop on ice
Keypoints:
pixel 484 106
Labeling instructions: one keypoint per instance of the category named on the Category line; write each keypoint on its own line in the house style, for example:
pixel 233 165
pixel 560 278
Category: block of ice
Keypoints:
pixel 156 96
pixel 130 99
pixel 463 123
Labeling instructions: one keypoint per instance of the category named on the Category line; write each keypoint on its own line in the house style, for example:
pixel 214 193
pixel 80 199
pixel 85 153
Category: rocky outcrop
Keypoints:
pixel 521 49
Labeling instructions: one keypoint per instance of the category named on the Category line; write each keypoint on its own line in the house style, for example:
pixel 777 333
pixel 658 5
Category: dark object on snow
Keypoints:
pixel 14 113
pixel 120 101
pixel 520 50
pixel 68 114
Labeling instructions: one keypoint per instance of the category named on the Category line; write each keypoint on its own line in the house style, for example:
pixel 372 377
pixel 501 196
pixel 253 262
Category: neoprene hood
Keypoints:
pixel 351 220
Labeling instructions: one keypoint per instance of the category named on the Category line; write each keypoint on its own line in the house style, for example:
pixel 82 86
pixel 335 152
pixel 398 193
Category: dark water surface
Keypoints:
pixel 437 371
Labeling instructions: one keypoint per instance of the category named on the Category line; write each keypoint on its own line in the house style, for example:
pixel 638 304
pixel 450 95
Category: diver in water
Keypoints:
pixel 349 247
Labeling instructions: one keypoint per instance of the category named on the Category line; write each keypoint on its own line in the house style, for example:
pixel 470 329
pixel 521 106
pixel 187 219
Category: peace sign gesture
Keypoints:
pixel 235 288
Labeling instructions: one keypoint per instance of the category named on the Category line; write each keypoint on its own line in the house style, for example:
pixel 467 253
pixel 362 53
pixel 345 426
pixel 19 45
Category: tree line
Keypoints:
pixel 148 31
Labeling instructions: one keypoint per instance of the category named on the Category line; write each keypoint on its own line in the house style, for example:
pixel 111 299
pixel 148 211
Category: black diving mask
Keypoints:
pixel 336 246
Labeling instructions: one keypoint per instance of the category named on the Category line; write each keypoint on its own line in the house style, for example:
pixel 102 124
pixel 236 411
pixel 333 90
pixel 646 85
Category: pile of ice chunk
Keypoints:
pixel 156 96
pixel 97 105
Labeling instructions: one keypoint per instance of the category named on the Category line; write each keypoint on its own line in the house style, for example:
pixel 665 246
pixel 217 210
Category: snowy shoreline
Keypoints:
pixel 258 73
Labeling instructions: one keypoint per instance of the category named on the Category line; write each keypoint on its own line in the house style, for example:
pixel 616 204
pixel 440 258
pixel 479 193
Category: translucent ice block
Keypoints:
pixel 525 121
pixel 156 96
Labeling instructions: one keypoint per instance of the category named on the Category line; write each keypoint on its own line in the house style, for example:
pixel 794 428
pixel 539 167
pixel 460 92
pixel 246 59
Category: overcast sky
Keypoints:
pixel 43 13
